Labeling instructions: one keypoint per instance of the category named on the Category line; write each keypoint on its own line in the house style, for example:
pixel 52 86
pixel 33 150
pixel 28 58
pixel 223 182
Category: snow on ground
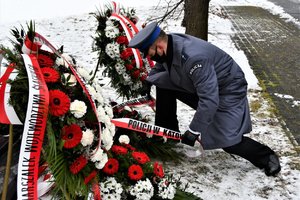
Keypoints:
pixel 216 175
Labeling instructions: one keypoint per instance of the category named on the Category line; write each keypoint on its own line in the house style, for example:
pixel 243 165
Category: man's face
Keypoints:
pixel 156 52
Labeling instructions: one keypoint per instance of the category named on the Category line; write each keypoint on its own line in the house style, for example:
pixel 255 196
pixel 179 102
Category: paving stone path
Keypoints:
pixel 272 47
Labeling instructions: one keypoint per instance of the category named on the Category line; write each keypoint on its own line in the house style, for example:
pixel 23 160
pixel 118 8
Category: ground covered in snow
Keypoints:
pixel 216 174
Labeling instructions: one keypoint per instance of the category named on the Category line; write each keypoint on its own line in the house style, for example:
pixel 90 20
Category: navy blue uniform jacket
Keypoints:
pixel 198 67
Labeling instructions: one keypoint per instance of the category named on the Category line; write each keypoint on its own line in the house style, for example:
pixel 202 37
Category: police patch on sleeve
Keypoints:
pixel 196 66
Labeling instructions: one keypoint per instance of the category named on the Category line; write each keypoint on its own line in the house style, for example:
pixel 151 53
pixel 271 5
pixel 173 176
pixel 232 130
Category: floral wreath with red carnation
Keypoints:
pixel 123 65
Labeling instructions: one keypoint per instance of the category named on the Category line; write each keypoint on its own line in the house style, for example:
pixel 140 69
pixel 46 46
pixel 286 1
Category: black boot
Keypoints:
pixel 273 166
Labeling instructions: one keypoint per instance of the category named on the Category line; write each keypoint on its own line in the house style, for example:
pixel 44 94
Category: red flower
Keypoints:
pixel 122 40
pixel 128 146
pixel 111 167
pixel 59 103
pixel 78 164
pixel 158 170
pixel 90 177
pixel 45 61
pixel 71 135
pixel 125 54
pixel 50 74
pixel 140 157
pixel 135 172
pixel 129 67
pixel 136 74
pixel 119 150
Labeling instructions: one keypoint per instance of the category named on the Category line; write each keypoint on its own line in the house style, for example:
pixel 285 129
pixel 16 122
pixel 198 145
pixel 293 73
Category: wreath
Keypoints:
pixel 123 65
pixel 79 157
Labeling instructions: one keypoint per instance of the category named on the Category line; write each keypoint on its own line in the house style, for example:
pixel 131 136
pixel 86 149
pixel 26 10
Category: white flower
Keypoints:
pixel 124 139
pixel 92 91
pixel 69 79
pixel 112 50
pixel 109 111
pixel 106 139
pixel 83 73
pixel 62 61
pixel 102 162
pixel 78 108
pixel 142 190
pixel 96 155
pixel 87 137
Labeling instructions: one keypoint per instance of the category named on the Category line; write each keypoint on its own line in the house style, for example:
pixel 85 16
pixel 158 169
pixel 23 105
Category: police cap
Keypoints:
pixel 145 38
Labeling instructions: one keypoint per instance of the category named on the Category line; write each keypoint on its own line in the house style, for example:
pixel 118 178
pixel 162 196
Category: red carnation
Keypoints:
pixel 45 61
pixel 50 74
pixel 136 74
pixel 119 150
pixel 122 40
pixel 71 135
pixel 111 167
pixel 78 164
pixel 133 62
pixel 135 172
pixel 125 54
pixel 59 103
pixel 158 170
pixel 129 67
pixel 90 177
pixel 140 157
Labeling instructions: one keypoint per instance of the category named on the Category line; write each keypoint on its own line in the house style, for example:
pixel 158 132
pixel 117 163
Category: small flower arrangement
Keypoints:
pixel 124 65
pixel 129 174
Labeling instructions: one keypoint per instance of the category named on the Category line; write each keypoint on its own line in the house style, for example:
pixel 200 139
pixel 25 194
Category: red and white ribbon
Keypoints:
pixel 129 35
pixel 144 127
pixel 34 129
pixel 8 114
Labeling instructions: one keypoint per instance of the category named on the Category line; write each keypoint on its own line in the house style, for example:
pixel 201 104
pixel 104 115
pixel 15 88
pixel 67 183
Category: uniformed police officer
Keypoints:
pixel 207 79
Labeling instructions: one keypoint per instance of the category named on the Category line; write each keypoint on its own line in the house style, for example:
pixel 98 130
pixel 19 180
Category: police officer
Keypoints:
pixel 207 79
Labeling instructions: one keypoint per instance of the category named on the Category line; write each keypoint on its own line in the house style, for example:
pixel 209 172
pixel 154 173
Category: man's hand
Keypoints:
pixel 190 138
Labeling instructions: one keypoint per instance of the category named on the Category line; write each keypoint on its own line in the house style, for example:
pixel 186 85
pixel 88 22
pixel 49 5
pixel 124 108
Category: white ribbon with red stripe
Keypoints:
pixel 129 35
pixel 34 129
pixel 144 127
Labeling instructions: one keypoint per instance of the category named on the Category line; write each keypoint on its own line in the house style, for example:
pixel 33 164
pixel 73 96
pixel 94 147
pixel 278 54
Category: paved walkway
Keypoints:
pixel 272 47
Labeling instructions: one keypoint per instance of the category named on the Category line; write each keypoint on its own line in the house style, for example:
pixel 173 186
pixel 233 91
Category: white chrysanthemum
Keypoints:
pixel 112 50
pixel 124 139
pixel 101 113
pixel 142 190
pixel 99 98
pixel 103 160
pixel 106 139
pixel 96 155
pixel 78 108
pixel 69 79
pixel 92 91
pixel 87 137
pixel 166 191
pixel 83 73
pixel 109 111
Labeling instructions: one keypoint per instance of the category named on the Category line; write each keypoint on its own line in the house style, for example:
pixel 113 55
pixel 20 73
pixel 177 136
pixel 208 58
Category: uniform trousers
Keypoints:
pixel 166 116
